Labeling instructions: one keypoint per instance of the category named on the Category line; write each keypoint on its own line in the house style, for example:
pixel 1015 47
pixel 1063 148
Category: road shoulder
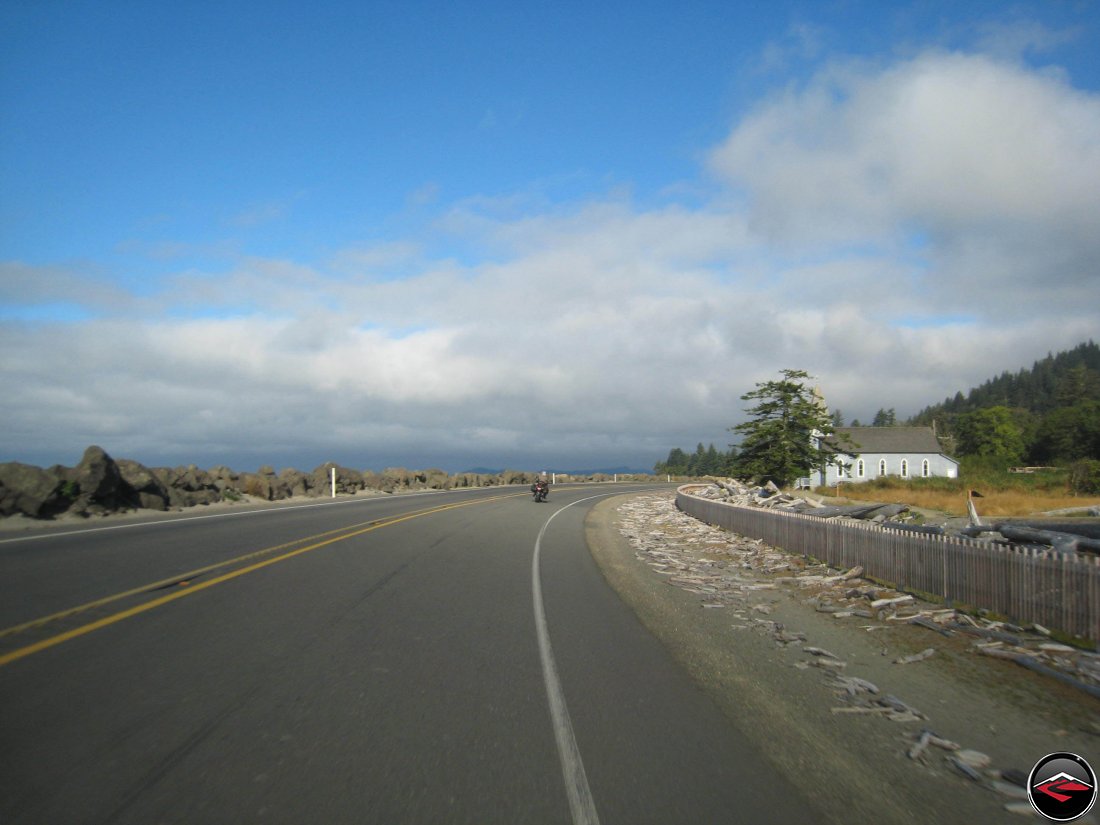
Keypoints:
pixel 853 765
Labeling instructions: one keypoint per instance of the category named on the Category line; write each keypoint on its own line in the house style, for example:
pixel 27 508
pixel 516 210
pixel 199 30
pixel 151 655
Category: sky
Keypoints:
pixel 530 235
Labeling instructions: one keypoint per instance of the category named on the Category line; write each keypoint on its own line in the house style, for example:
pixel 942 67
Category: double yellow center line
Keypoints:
pixel 186 588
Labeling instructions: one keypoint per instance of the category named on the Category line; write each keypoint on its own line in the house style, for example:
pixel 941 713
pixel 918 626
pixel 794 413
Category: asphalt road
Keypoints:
pixel 452 657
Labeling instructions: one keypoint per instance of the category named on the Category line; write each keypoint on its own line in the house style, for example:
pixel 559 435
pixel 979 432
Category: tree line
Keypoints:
pixel 705 461
pixel 790 432
pixel 1047 415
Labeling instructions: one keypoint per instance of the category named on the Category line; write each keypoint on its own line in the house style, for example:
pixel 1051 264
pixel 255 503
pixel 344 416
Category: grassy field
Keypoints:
pixel 1003 493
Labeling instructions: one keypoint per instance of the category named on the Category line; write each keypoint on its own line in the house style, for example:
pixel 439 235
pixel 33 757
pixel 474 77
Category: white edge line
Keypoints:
pixel 581 804
pixel 81 531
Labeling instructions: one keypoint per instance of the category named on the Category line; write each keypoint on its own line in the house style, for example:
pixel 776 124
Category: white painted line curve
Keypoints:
pixel 581 804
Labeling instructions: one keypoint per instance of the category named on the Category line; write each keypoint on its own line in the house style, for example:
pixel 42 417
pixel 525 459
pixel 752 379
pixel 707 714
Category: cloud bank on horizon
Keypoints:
pixel 536 242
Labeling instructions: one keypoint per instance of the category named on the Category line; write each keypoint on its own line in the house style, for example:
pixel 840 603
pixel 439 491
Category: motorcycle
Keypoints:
pixel 541 490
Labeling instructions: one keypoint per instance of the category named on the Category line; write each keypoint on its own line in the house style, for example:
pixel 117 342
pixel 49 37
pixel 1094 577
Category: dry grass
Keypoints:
pixel 1004 494
pixel 1010 501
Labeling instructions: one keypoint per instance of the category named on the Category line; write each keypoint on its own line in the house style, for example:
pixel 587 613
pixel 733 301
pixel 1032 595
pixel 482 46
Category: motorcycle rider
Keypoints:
pixel 540 485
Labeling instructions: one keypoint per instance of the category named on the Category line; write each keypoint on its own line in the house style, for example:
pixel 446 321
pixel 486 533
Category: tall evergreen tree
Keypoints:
pixel 790 432
pixel 697 461
pixel 1076 385
pixel 712 464
pixel 675 464
pixel 885 418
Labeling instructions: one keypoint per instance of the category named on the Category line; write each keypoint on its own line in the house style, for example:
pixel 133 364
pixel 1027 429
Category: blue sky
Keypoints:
pixel 565 234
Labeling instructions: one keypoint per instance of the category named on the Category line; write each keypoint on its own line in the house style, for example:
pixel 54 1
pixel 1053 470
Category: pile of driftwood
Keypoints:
pixel 843 595
pixel 1030 647
pixel 1067 536
pixel 728 570
pixel 771 497
pixel 1064 537
pixel 746 576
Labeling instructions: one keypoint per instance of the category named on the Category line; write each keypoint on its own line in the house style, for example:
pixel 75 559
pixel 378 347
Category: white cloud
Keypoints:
pixel 996 166
pixel 901 233
pixel 24 285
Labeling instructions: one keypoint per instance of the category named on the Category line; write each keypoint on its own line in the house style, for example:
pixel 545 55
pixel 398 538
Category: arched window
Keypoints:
pixel 905 468
pixel 882 466
pixel 859 468
pixel 925 469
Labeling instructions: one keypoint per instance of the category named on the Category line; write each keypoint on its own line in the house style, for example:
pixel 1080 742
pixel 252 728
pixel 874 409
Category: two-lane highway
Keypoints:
pixel 454 657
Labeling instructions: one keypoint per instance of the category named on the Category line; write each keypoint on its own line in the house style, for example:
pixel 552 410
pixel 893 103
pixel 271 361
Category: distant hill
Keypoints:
pixel 1049 414
pixel 1056 381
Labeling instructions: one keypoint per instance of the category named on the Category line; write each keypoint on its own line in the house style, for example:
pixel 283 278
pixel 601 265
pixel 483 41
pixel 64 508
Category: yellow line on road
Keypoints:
pixel 145 588
pixel 114 618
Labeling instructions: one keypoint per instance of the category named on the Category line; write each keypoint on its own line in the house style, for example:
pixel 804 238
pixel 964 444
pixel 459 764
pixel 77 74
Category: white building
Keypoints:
pixel 907 452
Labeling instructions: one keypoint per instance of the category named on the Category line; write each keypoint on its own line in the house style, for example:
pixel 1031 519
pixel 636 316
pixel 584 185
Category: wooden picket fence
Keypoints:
pixel 1026 584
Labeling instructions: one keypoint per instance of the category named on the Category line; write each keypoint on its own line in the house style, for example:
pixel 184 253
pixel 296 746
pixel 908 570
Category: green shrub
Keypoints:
pixel 1084 477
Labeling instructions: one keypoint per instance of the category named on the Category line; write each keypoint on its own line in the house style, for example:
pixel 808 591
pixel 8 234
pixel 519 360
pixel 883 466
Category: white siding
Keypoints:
pixel 919 465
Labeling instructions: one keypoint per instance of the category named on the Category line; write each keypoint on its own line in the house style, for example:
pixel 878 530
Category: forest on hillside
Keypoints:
pixel 1048 415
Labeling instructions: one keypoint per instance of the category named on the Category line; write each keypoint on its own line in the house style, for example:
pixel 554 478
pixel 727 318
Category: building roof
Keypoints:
pixel 892 439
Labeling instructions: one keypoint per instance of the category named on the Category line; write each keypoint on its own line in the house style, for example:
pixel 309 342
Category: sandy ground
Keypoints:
pixel 856 763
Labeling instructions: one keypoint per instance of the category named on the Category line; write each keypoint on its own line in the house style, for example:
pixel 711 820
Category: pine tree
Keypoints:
pixel 675 464
pixel 885 418
pixel 712 464
pixel 790 433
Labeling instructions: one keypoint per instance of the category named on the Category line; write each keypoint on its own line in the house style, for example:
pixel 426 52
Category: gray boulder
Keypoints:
pixel 99 484
pixel 372 481
pixel 297 482
pixel 348 481
pixel 150 491
pixel 264 484
pixel 395 478
pixel 100 487
pixel 188 486
pixel 32 491
pixel 225 478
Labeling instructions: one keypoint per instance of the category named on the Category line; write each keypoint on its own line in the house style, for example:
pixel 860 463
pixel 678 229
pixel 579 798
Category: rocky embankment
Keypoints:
pixel 100 485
